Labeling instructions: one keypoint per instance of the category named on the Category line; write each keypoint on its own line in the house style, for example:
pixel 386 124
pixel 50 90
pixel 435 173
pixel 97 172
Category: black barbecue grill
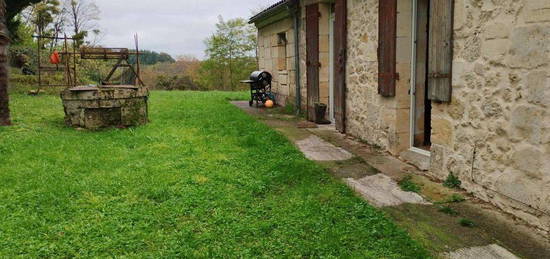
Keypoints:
pixel 260 87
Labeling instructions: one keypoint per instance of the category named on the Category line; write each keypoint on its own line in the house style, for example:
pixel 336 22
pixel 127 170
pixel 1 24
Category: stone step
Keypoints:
pixel 381 191
pixel 485 252
pixel 315 148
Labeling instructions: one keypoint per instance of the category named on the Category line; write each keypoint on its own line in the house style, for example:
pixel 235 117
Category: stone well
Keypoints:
pixel 105 106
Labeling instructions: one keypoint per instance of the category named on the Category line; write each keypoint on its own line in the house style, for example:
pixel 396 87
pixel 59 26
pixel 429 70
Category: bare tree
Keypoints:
pixel 58 26
pixel 4 42
pixel 82 18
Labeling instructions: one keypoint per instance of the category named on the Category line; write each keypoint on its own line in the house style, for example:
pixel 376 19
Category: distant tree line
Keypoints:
pixel 148 57
pixel 230 58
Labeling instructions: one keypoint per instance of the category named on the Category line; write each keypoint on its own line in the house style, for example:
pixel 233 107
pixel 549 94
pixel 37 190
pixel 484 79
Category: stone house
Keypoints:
pixel 458 87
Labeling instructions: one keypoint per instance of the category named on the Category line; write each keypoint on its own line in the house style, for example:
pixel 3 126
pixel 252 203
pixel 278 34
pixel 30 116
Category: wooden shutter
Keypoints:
pixel 340 45
pixel 387 30
pixel 440 57
pixel 312 58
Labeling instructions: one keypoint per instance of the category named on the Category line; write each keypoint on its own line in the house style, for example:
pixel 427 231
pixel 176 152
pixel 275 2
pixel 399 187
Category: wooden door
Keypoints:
pixel 312 58
pixel 340 45
pixel 387 33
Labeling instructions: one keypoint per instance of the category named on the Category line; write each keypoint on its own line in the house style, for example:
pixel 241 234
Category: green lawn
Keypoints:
pixel 203 179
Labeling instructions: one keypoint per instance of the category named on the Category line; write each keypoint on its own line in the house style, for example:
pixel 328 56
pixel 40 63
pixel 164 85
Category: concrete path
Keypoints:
pixel 317 149
pixel 481 252
pixel 381 191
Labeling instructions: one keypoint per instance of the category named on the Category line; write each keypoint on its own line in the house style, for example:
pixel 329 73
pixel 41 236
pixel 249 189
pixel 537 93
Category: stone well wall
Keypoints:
pixel 106 106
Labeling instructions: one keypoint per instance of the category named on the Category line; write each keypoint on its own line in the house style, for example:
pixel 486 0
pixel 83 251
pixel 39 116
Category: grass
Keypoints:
pixel 448 210
pixel 408 185
pixel 203 179
pixel 466 223
pixel 454 198
pixel 452 181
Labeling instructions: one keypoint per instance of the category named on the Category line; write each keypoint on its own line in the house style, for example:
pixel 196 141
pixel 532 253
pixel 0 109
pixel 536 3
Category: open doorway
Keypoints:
pixel 421 106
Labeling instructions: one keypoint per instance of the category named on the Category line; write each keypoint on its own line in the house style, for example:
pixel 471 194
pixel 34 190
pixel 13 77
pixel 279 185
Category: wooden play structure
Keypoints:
pixel 67 61
pixel 97 106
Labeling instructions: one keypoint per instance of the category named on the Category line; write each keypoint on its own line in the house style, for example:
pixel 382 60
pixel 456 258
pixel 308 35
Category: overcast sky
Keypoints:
pixel 177 27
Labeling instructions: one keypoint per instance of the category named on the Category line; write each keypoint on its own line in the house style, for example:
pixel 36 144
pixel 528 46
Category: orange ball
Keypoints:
pixel 269 104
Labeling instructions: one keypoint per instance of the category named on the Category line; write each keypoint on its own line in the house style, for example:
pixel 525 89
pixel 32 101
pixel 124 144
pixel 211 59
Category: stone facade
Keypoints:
pixel 107 106
pixel 495 133
pixel 272 53
pixel 276 55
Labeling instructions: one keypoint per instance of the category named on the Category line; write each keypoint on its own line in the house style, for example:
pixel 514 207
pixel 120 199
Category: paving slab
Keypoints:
pixel 482 252
pixel 317 149
pixel 419 160
pixel 381 191
pixel 355 170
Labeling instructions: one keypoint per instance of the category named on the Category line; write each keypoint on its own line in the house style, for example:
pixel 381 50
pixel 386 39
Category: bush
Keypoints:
pixel 170 83
pixel 19 56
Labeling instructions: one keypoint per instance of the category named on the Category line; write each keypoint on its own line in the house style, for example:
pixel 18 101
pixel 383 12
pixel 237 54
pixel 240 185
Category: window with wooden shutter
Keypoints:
pixel 387 23
pixel 440 57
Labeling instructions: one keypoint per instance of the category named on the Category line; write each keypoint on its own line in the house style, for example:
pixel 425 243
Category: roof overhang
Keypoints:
pixel 272 14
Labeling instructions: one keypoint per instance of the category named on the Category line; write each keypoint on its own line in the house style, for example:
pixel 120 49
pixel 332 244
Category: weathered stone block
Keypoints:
pixel 537 11
pixel 460 14
pixel 529 46
pixel 494 50
pixel 538 86
pixel 527 123
pixel 514 184
pixel 496 30
pixel 442 132
pixel 529 160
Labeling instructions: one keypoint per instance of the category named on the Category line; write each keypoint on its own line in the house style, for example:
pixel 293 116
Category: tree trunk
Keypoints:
pixel 4 42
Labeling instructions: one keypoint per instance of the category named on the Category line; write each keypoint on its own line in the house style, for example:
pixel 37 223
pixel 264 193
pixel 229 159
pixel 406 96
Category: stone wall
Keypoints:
pixel 495 135
pixel 378 120
pixel 284 83
pixel 278 58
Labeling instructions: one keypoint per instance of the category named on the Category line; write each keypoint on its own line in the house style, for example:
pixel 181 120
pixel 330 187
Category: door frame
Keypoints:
pixel 412 110
pixel 332 114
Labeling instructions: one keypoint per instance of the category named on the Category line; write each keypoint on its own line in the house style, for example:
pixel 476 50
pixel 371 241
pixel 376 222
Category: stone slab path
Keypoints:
pixel 315 148
pixel 381 191
pixel 485 252
pixel 374 174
